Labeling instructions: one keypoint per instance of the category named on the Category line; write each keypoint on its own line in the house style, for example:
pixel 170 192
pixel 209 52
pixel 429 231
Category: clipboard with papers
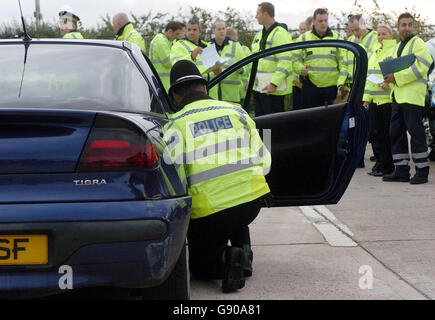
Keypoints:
pixel 397 64
pixel 263 79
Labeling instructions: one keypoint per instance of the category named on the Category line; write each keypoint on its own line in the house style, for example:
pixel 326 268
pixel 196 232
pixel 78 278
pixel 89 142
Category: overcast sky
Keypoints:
pixel 290 12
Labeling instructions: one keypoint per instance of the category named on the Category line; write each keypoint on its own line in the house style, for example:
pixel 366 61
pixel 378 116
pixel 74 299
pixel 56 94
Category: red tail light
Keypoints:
pixel 117 148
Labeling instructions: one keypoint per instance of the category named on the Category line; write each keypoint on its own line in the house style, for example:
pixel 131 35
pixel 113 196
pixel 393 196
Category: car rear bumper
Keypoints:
pixel 136 249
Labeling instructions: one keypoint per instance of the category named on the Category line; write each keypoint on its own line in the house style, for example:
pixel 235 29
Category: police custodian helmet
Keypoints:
pixel 65 16
pixel 184 71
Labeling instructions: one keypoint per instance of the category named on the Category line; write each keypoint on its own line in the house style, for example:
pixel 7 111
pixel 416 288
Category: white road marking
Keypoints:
pixel 336 233
pixel 333 219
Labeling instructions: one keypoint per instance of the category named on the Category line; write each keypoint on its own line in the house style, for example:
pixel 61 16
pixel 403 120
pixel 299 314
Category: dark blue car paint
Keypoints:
pixel 125 264
pixel 33 141
pixel 33 199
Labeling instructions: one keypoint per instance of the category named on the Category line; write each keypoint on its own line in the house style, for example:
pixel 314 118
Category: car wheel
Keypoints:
pixel 177 286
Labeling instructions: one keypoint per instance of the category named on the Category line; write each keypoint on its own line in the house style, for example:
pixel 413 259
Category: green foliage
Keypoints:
pixel 376 16
pixel 104 30
pixel 150 24
pixel 44 30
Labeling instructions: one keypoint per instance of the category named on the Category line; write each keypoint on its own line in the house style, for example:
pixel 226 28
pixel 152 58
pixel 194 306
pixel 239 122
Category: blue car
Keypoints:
pixel 86 197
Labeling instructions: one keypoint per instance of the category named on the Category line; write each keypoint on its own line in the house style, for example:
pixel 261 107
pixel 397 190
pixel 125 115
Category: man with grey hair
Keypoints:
pixel 125 31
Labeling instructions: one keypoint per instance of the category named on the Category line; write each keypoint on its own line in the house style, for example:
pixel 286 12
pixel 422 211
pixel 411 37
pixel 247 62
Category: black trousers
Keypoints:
pixel 297 98
pixel 373 131
pixel 313 96
pixel 267 104
pixel 382 123
pixel 407 117
pixel 208 237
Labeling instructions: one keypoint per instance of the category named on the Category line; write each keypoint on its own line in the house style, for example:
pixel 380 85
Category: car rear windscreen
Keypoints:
pixel 65 76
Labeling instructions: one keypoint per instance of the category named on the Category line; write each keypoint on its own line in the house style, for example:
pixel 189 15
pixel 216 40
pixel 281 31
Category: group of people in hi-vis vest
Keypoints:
pixel 396 102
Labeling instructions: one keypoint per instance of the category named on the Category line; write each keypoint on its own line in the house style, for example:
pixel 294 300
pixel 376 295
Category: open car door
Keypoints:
pixel 314 151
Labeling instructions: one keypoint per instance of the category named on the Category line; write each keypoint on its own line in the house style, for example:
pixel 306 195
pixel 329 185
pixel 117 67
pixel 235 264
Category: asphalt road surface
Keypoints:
pixel 376 243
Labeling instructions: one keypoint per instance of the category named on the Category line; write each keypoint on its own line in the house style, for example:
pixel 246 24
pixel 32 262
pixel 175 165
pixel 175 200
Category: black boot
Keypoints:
pixel 234 260
pixel 247 268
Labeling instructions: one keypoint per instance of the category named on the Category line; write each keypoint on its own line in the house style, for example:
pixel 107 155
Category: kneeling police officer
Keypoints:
pixel 224 161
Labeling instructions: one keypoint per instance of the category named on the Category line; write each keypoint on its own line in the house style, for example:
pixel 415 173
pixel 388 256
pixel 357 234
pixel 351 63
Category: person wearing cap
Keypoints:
pixel 68 25
pixel 125 31
pixel 219 153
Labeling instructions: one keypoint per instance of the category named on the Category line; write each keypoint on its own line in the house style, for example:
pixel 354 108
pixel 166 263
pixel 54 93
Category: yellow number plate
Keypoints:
pixel 23 249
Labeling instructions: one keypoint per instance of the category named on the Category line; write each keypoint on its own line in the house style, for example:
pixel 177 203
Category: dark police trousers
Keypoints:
pixel 374 138
pixel 408 117
pixel 382 123
pixel 313 96
pixel 267 104
pixel 297 98
pixel 208 238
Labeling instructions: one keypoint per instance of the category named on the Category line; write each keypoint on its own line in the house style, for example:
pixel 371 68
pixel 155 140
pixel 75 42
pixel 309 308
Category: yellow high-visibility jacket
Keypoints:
pixel 326 64
pixel 229 88
pixel 128 33
pixel 160 51
pixel 217 149
pixel 73 35
pixel 370 44
pixel 182 50
pixel 373 92
pixel 411 83
pixel 279 64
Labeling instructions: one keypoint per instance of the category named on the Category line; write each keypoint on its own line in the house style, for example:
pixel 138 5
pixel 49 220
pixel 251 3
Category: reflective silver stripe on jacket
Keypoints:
pixel 160 61
pixel 321 56
pixel 234 82
pixel 424 61
pixel 322 69
pixel 224 170
pixel 421 81
pixel 287 73
pixel 372 71
pixel 414 67
pixel 233 51
pixel 270 43
pixel 377 93
pixel 186 46
pixel 369 41
pixel 189 157
pixel 238 109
